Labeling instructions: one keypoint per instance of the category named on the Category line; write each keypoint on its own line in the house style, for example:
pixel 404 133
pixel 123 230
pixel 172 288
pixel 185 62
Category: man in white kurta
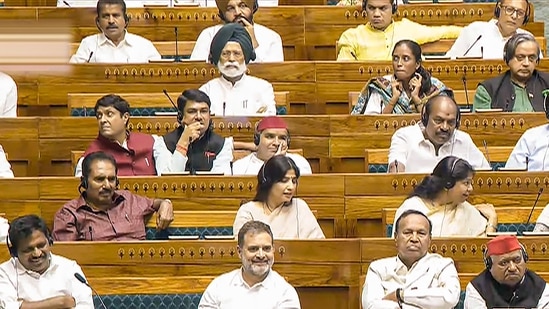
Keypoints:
pixel 530 152
pixel 414 278
pixel 272 137
pixel 114 44
pixel 34 276
pixel 8 96
pixel 5 167
pixel 418 148
pixel 255 284
pixel 486 39
pixel 506 282
pixel 266 42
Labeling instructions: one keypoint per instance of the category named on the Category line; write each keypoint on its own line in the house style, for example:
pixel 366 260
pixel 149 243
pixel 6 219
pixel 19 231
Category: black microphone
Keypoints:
pixel 176 43
pixel 231 164
pixel 224 106
pixel 464 81
pixel 90 57
pixel 192 170
pixel 91 232
pixel 474 43
pixel 486 151
pixel 83 280
pixel 169 98
pixel 66 3
pixel 533 207
pixel 527 161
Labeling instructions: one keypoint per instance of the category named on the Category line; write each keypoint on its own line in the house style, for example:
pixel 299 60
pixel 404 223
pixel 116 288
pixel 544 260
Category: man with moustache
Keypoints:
pixel 486 39
pixel 36 278
pixel 506 282
pixel 255 284
pixel 114 44
pixel 418 148
pixel 519 88
pixel 414 278
pixel 104 213
pixel 271 138
pixel 376 39
pixel 194 143
pixel 235 93
pixel 266 42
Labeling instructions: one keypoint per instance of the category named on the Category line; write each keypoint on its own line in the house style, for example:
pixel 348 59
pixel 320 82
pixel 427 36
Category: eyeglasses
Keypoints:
pixel 509 10
pixel 226 54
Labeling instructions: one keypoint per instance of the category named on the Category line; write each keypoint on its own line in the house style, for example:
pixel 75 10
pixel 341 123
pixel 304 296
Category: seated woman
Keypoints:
pixel 404 92
pixel 275 204
pixel 442 196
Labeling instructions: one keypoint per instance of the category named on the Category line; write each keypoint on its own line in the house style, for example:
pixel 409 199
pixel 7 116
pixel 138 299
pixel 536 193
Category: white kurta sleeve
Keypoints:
pixel 399 147
pixel 462 43
pixel 308 225
pixel 151 52
pixel 9 106
pixel 8 292
pixel 373 292
pixel 4 227
pixel 222 163
pixel 81 293
pixel 201 48
pixel 542 223
pixel 544 300
pixel 5 166
pixel 473 300
pixel 476 157
pixel 268 100
pixel 84 49
pixel 290 299
pixel 164 160
pixel 272 52
pixel 243 215
pixel 443 296
pixel 209 298
pixel 517 158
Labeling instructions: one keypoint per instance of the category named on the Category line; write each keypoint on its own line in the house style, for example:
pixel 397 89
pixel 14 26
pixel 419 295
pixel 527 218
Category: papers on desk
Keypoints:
pixel 489 110
pixel 181 237
pixel 535 233
pixel 494 234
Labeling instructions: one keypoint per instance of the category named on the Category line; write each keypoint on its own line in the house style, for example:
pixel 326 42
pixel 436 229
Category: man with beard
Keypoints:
pixel 235 93
pixel 104 213
pixel 414 278
pixel 418 148
pixel 114 44
pixel 255 284
pixel 194 143
pixel 506 282
pixel 36 278
pixel 266 43
pixel 519 88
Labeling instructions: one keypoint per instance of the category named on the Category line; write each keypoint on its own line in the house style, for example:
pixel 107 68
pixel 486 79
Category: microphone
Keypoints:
pixel 464 81
pixel 83 280
pixel 533 207
pixel 224 106
pixel 91 232
pixel 169 98
pixel 176 43
pixel 527 161
pixel 192 170
pixel 231 164
pixel 486 151
pixel 90 57
pixel 66 3
pixel 470 47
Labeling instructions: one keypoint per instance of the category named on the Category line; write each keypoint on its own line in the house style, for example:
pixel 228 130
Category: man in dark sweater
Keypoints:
pixel 506 282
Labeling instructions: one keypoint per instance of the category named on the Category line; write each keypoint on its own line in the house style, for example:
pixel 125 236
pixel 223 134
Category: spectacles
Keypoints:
pixel 509 10
pixel 226 54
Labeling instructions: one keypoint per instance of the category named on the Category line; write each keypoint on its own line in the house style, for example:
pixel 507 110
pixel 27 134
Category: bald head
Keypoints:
pixel 441 112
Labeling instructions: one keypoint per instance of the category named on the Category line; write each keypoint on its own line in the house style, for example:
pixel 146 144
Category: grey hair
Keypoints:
pixel 512 44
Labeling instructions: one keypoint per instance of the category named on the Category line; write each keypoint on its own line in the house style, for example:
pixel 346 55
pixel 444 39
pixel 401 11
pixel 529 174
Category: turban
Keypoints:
pixel 233 32
pixel 271 122
pixel 222 4
pixel 503 244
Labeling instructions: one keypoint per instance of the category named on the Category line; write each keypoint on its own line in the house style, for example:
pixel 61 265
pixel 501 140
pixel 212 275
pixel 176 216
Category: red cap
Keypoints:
pixel 503 244
pixel 271 122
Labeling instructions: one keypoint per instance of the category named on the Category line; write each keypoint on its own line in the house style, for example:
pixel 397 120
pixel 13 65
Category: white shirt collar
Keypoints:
pixel 267 283
pixel 230 84
pixel 21 270
pixel 400 267
pixel 456 138
pixel 103 39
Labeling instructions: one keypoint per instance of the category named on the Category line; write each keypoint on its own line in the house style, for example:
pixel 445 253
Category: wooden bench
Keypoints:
pixel 152 100
pixel 380 156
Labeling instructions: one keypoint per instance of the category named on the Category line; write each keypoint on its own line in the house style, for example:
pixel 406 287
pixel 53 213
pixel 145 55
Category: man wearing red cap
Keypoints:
pixel 272 138
pixel 266 42
pixel 506 282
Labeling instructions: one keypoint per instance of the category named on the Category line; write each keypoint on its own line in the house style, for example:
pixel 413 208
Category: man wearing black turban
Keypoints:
pixel 235 93
pixel 266 42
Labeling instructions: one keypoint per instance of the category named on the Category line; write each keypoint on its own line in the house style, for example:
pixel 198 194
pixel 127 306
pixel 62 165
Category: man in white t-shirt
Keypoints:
pixel 266 42
pixel 486 38
pixel 114 44
pixel 255 284
pixel 418 148
pixel 8 96
pixel 272 138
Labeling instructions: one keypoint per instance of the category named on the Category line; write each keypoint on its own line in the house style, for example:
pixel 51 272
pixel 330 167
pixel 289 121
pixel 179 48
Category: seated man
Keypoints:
pixel 36 278
pixel 255 281
pixel 418 148
pixel 194 143
pixel 235 93
pixel 5 167
pixel 266 42
pixel 519 88
pixel 104 213
pixel 272 138
pixel 414 278
pixel 136 154
pixel 376 39
pixel 486 39
pixel 8 96
pixel 114 44
pixel 506 282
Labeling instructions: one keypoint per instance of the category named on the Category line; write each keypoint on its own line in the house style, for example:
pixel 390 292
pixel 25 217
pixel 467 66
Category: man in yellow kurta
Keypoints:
pixel 375 40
